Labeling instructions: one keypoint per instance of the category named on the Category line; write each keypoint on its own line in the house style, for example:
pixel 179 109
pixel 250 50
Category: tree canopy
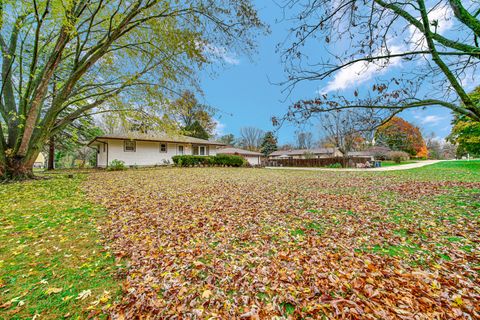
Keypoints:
pixel 194 118
pixel 466 132
pixel 269 143
pixel 195 129
pixel 435 42
pixel 251 138
pixel 64 59
pixel 398 134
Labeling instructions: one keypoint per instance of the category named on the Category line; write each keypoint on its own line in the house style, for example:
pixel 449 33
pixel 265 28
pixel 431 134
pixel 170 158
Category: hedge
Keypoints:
pixel 218 160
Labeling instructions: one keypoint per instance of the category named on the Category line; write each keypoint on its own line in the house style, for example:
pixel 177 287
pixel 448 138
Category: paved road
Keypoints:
pixel 391 168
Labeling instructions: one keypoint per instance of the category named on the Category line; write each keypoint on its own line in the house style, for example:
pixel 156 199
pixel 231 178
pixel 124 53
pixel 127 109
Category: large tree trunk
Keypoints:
pixel 16 169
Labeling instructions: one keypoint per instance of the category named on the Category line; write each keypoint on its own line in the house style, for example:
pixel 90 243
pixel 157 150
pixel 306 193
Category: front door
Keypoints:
pixel 181 150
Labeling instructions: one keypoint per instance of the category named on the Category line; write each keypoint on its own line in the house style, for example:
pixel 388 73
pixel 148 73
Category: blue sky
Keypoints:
pixel 245 92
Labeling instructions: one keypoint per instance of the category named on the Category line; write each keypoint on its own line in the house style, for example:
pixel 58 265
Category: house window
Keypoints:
pixel 200 150
pixel 163 147
pixel 180 150
pixel 104 147
pixel 129 146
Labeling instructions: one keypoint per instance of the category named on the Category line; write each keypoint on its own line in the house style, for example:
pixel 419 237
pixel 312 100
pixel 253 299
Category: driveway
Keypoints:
pixel 391 168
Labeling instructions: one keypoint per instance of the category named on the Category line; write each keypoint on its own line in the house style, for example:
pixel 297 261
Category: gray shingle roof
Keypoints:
pixel 239 151
pixel 299 152
pixel 157 136
pixel 360 153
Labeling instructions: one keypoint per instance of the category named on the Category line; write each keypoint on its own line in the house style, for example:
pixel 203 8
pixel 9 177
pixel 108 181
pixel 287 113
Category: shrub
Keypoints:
pixel 335 165
pixel 219 160
pixel 116 165
pixel 229 160
pixel 398 156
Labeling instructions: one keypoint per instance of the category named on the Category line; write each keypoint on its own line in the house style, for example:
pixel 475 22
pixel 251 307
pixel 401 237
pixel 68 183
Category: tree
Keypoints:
pixel 398 134
pixel 251 137
pixel 71 143
pixel 439 148
pixel 304 140
pixel 434 147
pixel 466 135
pixel 379 34
pixel 344 129
pixel 64 59
pixel 269 143
pixel 466 132
pixel 228 139
pixel 196 130
pixel 449 150
pixel 189 111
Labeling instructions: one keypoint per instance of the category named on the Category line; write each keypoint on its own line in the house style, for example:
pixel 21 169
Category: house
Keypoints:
pixel 40 161
pixel 149 149
pixel 362 154
pixel 253 158
pixel 306 153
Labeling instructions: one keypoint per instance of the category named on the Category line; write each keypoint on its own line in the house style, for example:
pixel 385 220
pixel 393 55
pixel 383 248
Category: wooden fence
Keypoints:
pixel 316 162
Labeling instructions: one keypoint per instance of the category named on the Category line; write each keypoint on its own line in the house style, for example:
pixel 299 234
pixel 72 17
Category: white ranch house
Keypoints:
pixel 138 149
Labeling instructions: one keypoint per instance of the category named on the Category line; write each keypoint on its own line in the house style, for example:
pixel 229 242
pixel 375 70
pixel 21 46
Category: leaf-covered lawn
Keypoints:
pixel 51 263
pixel 226 243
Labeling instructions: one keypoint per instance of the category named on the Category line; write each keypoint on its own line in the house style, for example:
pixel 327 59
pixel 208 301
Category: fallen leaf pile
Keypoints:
pixel 246 243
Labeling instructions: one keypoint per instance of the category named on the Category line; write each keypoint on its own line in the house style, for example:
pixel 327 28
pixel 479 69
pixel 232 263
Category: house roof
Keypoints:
pixel 302 152
pixel 239 151
pixel 360 153
pixel 155 136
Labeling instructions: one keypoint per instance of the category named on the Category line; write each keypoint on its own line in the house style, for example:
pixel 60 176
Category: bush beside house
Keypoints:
pixel 218 160
pixel 116 165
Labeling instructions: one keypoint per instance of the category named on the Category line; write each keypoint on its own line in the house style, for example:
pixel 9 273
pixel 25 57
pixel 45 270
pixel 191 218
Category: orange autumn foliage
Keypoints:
pixel 399 134
pixel 423 153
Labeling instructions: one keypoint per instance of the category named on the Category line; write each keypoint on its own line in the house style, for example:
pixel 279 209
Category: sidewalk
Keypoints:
pixel 391 168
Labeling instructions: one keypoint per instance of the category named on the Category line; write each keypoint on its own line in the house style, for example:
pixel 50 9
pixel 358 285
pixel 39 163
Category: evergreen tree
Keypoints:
pixel 196 130
pixel 228 139
pixel 269 143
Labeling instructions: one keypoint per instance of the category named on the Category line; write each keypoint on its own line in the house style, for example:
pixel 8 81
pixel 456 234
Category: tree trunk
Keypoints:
pixel 51 153
pixel 16 169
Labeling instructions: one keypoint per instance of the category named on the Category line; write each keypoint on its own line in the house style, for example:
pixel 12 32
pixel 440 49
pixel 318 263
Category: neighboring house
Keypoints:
pixel 362 154
pixel 40 161
pixel 253 158
pixel 306 153
pixel 149 149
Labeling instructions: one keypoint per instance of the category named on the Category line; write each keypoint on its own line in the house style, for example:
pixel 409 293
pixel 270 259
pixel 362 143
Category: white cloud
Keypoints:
pixel 432 119
pixel 442 16
pixel 361 72
pixel 219 128
pixel 429 119
pixel 221 53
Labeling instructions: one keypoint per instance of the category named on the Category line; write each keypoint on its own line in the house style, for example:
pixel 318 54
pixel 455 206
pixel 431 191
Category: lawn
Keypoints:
pixel 393 163
pixel 51 262
pixel 219 242
pixel 258 243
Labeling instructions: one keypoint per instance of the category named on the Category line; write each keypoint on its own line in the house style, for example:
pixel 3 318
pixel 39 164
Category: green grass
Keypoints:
pixel 50 252
pixel 393 163
pixel 459 170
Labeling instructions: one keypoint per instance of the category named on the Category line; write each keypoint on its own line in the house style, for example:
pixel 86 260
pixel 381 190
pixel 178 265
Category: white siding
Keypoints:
pixel 253 160
pixel 212 151
pixel 147 153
